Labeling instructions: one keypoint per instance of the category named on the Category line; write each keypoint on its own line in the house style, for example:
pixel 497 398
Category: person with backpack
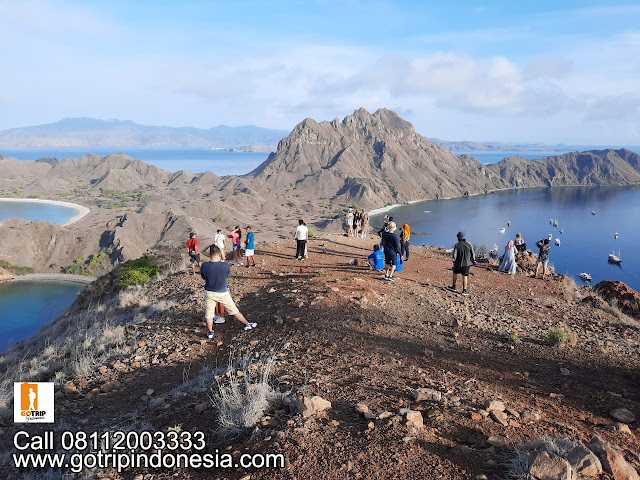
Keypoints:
pixel 405 233
pixel 463 257
pixel 194 253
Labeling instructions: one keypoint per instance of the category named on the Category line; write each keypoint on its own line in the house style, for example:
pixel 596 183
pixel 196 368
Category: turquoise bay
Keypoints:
pixel 33 211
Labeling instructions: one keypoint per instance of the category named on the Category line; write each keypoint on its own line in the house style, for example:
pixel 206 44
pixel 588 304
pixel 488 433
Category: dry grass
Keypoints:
pixel 76 343
pixel 243 394
pixel 517 463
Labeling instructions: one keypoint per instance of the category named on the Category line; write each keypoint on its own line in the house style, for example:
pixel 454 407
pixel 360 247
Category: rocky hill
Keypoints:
pixel 372 159
pixel 597 167
pixel 89 132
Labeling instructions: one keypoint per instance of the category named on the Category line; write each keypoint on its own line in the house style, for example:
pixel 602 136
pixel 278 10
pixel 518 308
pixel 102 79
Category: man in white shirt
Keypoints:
pixel 220 240
pixel 301 235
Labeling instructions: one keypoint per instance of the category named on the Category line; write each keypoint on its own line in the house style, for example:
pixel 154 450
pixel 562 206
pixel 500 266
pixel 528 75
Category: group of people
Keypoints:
pixel 509 263
pixel 387 255
pixel 357 223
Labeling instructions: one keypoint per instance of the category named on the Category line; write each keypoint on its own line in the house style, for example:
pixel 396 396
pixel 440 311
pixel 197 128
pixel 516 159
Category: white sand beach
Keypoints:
pixel 81 210
pixel 54 277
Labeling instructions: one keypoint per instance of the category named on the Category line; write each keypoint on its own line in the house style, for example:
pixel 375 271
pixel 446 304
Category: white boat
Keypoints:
pixel 550 237
pixel 585 276
pixel 593 212
pixel 616 235
pixel 494 250
pixel 554 223
pixel 502 230
pixel 551 221
pixel 613 258
pixel 561 231
pixel 557 241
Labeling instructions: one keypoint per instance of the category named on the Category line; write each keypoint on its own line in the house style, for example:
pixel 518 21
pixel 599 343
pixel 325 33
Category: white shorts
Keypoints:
pixel 248 253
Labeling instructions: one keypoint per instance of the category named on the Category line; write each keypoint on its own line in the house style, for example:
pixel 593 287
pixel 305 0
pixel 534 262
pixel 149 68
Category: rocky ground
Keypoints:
pixel 423 383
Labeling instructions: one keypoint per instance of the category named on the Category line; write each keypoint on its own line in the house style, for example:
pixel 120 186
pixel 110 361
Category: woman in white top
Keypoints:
pixel 301 240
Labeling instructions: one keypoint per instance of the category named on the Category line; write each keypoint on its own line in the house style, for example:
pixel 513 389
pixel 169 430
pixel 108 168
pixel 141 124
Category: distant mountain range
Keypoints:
pixel 89 132
pixel 496 146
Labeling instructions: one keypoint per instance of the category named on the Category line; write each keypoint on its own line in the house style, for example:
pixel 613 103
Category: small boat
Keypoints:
pixel 561 231
pixel 585 276
pixel 613 258
pixel 616 235
pixel 508 223
pixel 557 241
pixel 550 237
pixel 593 212
pixel 494 250
pixel 502 230
pixel 554 223
pixel 551 221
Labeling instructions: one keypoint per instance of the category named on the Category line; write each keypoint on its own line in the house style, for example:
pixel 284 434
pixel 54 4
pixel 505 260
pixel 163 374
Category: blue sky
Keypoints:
pixel 511 71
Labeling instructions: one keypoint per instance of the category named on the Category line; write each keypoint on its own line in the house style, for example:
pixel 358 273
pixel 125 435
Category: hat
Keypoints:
pixel 461 236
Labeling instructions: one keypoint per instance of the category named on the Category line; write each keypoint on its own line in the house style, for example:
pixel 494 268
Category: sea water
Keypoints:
pixel 193 160
pixel 26 306
pixel 33 211
pixel 585 244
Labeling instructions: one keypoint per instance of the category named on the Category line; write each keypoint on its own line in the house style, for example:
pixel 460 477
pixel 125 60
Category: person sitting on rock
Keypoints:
pixel 376 259
pixel 194 253
pixel 519 243
pixel 215 274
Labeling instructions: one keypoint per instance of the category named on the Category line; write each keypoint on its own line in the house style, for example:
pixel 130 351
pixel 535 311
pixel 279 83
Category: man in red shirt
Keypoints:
pixel 194 253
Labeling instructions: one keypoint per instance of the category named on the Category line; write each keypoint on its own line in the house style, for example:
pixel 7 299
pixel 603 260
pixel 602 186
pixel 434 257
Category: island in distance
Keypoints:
pixel 369 159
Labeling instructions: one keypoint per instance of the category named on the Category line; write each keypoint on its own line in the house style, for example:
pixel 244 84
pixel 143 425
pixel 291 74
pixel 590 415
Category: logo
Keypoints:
pixel 33 402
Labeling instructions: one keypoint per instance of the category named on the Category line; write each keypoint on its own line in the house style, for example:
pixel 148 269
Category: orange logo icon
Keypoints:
pixel 29 396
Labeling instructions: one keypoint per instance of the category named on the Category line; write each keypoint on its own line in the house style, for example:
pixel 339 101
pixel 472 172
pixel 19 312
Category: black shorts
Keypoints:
pixel 195 258
pixel 390 259
pixel 464 271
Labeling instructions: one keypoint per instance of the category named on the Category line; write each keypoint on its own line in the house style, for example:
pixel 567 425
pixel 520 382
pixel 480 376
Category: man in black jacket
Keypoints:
pixel 391 246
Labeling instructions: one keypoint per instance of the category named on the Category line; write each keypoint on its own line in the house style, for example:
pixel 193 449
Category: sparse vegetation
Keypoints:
pixel 217 219
pixel 557 336
pixel 514 338
pixel 15 191
pixel 136 272
pixel 311 232
pixel 90 266
pixel 15 269
pixel 34 195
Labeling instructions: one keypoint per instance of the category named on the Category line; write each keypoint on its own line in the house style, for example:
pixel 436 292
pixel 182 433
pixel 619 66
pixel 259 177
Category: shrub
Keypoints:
pixel 136 272
pixel 513 337
pixel 557 336
pixel 34 195
pixel 16 269
pixel 218 219
pixel 311 232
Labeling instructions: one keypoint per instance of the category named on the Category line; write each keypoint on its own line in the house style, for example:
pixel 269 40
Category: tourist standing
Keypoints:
pixel 519 243
pixel 391 246
pixel 350 223
pixel 365 223
pixel 356 223
pixel 215 274
pixel 405 233
pixel 543 256
pixel 463 257
pixel 221 242
pixel 509 264
pixel 194 253
pixel 236 240
pixel 301 235
pixel 249 248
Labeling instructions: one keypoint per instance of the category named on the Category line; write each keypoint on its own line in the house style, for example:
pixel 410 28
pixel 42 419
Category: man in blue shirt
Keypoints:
pixel 376 259
pixel 215 274
pixel 249 248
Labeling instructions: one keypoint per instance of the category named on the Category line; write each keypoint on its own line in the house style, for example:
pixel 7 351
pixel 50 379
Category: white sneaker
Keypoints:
pixel 210 334
pixel 250 326
pixel 241 264
pixel 217 319
pixel 236 264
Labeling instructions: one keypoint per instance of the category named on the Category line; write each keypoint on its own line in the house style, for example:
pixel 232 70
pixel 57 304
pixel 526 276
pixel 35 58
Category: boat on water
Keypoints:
pixel 557 241
pixel 616 235
pixel 502 230
pixel 593 212
pixel 561 231
pixel 494 250
pixel 585 276
pixel 549 237
pixel 613 258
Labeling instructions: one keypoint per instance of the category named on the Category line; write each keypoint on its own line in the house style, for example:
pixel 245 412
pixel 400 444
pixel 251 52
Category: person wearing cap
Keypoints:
pixel 391 246
pixel 463 257
pixel 194 253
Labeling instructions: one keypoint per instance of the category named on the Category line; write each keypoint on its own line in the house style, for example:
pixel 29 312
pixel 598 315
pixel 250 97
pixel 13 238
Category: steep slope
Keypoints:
pixel 596 167
pixel 372 159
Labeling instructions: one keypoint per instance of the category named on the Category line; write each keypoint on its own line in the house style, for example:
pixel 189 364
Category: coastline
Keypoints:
pixel 54 277
pixel 81 210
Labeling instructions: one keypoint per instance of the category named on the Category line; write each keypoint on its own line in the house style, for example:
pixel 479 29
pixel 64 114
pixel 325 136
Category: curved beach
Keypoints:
pixel 81 210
